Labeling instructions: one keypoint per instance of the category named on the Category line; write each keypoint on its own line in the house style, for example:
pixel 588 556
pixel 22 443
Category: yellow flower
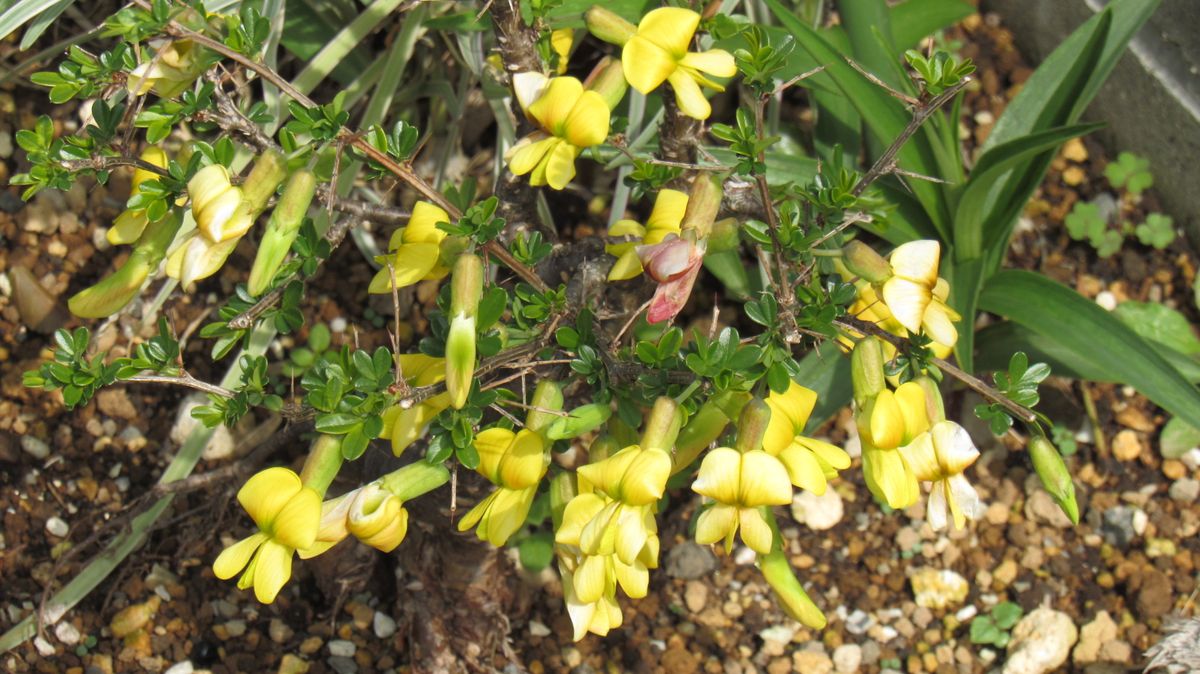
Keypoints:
pixel 940 455
pixel 669 207
pixel 167 71
pixel 414 251
pixel 130 224
pixel 658 52
pixel 888 422
pixel 561 41
pixel 570 120
pixel 377 517
pixel 868 307
pixel 634 476
pixel 810 463
pixel 610 542
pixel 515 463
pixel 220 209
pixel 740 483
pixel 288 516
pixel 914 294
pixel 598 617
pixel 404 426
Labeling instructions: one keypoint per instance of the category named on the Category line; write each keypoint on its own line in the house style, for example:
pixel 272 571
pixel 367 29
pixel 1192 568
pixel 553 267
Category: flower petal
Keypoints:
pixel 917 261
pixel 422 226
pixel 938 324
pixel 272 570
pixel 954 447
pixel 128 226
pixel 529 87
pixel 634 579
pixel 631 533
pixel 410 263
pixel 764 480
pixel 555 104
pixel 525 462
pixel 910 398
pixel 529 152
pixel 907 300
pixel 922 458
pixel 235 557
pixel 646 65
pixel 590 578
pixel 720 475
pixel 829 455
pixel 715 62
pixel 669 207
pixel 756 533
pixel 587 123
pixel 803 468
pixel 889 478
pixel 688 95
pixel 508 513
pixel 885 421
pixel 492 444
pixel 670 28
pixel 626 267
pixel 936 506
pixel 715 523
pixel 297 523
pixel 267 492
pixel 559 165
pixel 965 500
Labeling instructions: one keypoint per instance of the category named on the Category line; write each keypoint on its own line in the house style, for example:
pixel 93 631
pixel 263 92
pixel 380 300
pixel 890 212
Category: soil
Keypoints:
pixel 70 480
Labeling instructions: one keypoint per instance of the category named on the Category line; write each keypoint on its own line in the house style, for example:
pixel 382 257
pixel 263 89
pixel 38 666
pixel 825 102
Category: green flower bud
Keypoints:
pixel 282 229
pixel 703 204
pixel 465 292
pixel 547 396
pixel 270 170
pixel 609 26
pixel 702 429
pixel 608 80
pixel 864 262
pixel 1056 479
pixel 582 419
pixel 562 490
pixel 323 463
pixel 792 598
pixel 725 235
pixel 752 426
pixel 111 294
pixel 415 479
pixel 866 369
pixel 603 447
pixel 662 427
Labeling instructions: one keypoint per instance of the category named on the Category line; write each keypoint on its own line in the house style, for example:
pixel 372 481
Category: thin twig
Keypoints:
pixel 186 380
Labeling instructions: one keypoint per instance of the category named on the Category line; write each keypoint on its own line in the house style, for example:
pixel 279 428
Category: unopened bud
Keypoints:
pixel 792 598
pixel 608 80
pixel 282 229
pixel 866 369
pixel 864 262
pixel 1056 479
pixel 752 426
pixel 609 26
pixel 703 204
pixel 703 429
pixel 562 490
pixel 415 479
pixel 725 235
pixel 269 171
pixel 546 397
pixel 115 291
pixel 465 292
pixel 378 518
pixel 582 419
pixel 662 426
pixel 603 447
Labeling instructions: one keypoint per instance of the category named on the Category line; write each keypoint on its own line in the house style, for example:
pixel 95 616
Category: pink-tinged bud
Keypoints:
pixel 674 264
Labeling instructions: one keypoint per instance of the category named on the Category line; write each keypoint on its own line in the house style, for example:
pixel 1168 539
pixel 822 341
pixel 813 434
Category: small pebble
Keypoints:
pixel 859 622
pixel 1106 300
pixel 35 447
pixel 695 596
pixel 1126 446
pixel 279 631
pixel 819 513
pixel 185 667
pixel 343 648
pixel 938 588
pixel 235 628
pixel 67 633
pixel 1184 490
pixel 847 658
pixel 383 625
pixel 343 665
pixel 338 325
pixel 44 647
pixel 291 664
pixel 57 527
pixel 690 561
pixel 538 629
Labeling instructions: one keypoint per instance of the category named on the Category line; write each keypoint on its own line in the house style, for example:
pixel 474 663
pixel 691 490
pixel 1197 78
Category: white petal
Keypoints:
pixel 917 261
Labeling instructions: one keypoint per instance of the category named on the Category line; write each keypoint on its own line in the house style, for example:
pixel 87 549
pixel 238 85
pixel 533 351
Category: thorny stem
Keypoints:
pixel 886 163
pixel 185 380
pixel 783 286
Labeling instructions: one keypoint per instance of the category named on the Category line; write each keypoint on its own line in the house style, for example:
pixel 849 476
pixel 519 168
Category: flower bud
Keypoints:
pixel 752 426
pixel 415 479
pixel 268 173
pixel 603 447
pixel 582 419
pixel 608 80
pixel 792 597
pixel 198 258
pixel 219 207
pixel 862 261
pixel 662 426
pixel 547 396
pixel 1056 479
pixel 562 490
pixel 866 369
pixel 609 26
pixel 115 291
pixel 703 204
pixel 282 229
pixel 323 462
pixel 702 429
pixel 378 518
pixel 725 235
pixel 465 292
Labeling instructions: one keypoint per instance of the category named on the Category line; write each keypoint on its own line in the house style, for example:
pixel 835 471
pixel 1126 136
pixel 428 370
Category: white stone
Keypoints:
pixel 383 624
pixel 342 647
pixel 847 658
pixel 938 588
pixel 538 629
pixel 1106 300
pixel 44 647
pixel 818 512
pixel 185 667
pixel 67 633
pixel 35 447
pixel 57 527
pixel 338 325
pixel 1041 642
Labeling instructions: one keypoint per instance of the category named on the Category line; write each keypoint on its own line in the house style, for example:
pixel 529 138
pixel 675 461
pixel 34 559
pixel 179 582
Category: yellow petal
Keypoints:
pixel 213 218
pixel 938 324
pixel 529 152
pixel 525 463
pixel 410 424
pixel 272 570
pixel 670 28
pixel 910 398
pixel 507 514
pixel 631 533
pixel 411 263
pixel 886 422
pixel 529 87
pixel 764 480
pixel 634 579
pixel 780 429
pixel 267 492
pixel 688 96
pixel 720 475
pixel 297 523
pixel 803 469
pixel 153 154
pixel 561 41
pixel 627 227
pixel 922 459
pixel 715 62
pixel 587 123
pixel 235 557
pixel 954 447
pixel 492 444
pixel 626 267
pixel 422 226
pixel 555 104
pixel 907 300
pixel 964 501
pixel 590 578
pixel 422 370
pixel 917 261
pixel 889 477
pixel 715 523
pixel 559 165
pixel 756 533
pixel 208 183
pixel 476 514
pixel 936 506
pixel 579 511
pixel 646 65
pixel 669 207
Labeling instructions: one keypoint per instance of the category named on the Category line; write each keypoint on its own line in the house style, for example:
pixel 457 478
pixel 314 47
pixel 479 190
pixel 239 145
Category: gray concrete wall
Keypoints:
pixel 1151 101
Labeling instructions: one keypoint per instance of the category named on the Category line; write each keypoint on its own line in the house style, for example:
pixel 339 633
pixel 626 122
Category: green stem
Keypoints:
pixel 323 463
pixel 415 479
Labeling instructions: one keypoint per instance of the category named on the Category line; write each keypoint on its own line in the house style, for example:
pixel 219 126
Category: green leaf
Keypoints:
pixel 1006 614
pixel 728 268
pixel 337 424
pixel 1061 315
pixel 914 20
pixel 1177 438
pixel 1159 323
pixel 537 551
